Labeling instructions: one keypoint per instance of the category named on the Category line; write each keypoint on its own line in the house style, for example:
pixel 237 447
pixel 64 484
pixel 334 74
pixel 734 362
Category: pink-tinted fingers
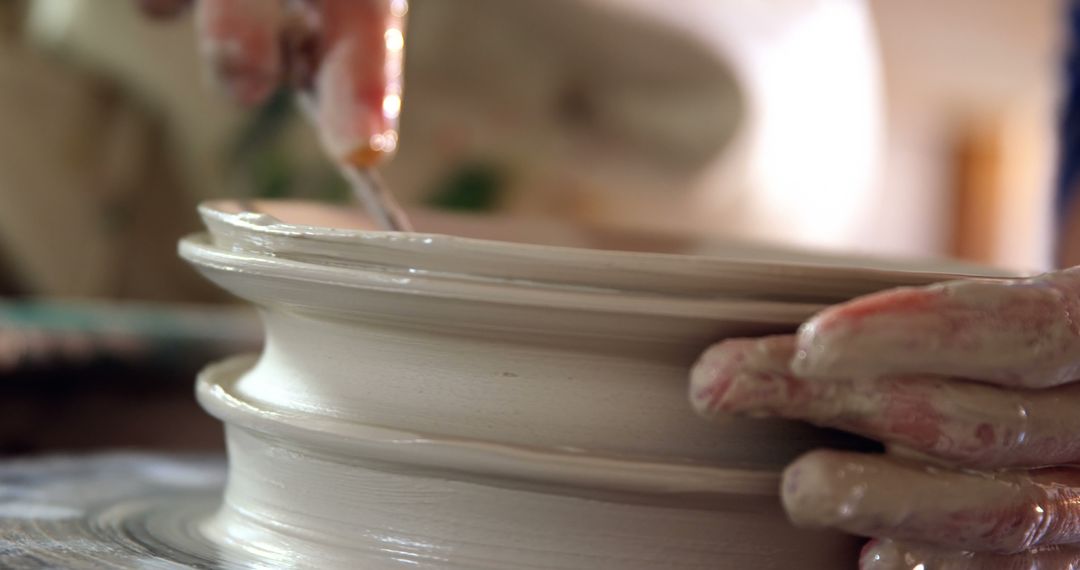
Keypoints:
pixel 893 555
pixel 748 376
pixel 359 81
pixel 1009 332
pixel 961 422
pixel 879 496
pixel 240 39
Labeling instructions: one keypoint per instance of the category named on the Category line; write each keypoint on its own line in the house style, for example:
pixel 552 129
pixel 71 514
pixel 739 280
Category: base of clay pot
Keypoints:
pixel 322 493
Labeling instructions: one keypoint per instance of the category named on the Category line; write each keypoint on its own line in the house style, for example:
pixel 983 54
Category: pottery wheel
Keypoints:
pixel 121 511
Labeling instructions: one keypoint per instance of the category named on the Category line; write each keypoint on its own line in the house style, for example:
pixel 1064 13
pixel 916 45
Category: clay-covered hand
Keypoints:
pixel 347 54
pixel 970 386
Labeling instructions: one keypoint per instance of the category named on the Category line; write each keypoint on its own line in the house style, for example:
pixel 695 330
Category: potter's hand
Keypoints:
pixel 345 54
pixel 970 386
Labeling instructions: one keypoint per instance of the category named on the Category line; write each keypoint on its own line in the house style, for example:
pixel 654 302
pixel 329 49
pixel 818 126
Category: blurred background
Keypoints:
pixel 917 128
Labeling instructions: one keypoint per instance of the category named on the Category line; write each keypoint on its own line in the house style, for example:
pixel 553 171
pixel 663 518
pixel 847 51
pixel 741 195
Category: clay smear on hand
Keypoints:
pixel 954 421
pixel 1009 332
pixel 974 374
pixel 887 497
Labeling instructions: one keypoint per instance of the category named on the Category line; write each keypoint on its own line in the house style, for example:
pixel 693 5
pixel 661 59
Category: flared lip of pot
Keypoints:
pixel 199 250
pixel 812 278
pixel 332 438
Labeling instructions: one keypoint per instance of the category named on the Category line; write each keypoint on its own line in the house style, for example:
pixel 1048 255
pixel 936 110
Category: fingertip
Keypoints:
pixel 806 488
pixel 359 82
pixel 743 376
pixel 345 121
pixel 713 375
pixel 872 557
pixel 886 554
pixel 824 488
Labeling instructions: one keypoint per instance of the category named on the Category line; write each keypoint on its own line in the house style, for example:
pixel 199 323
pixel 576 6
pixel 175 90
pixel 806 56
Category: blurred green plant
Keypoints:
pixel 473 186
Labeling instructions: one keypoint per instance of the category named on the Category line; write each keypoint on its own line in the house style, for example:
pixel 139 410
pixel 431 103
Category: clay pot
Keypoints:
pixel 443 402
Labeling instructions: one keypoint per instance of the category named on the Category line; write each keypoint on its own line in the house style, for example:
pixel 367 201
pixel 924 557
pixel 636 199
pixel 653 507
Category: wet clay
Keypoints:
pixel 1010 332
pixel 954 421
pixel 883 496
pixel 463 403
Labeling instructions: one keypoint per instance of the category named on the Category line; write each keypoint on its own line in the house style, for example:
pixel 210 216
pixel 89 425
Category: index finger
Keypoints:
pixel 359 81
pixel 1010 332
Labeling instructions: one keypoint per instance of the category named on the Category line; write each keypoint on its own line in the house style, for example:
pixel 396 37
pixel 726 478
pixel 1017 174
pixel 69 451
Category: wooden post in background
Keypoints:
pixel 1002 199
pixel 977 187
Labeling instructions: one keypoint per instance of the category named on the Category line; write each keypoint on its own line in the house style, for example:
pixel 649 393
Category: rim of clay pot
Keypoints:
pixel 199 250
pixel 473 458
pixel 751 274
